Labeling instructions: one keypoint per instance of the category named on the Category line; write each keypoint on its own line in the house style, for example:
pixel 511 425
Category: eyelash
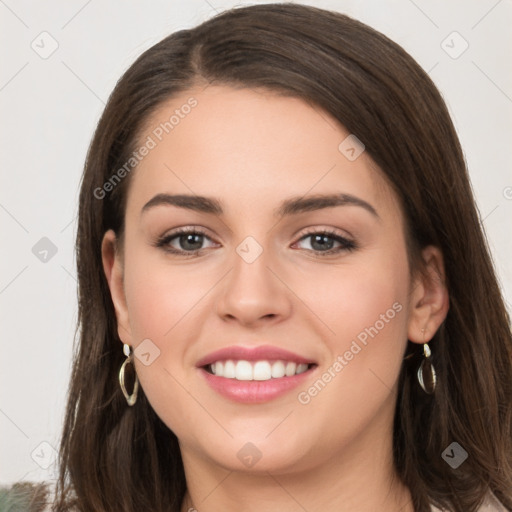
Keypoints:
pixel 346 244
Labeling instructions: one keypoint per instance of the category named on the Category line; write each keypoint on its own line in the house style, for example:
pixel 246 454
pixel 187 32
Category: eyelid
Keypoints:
pixel 309 230
pixel 185 229
pixel 329 230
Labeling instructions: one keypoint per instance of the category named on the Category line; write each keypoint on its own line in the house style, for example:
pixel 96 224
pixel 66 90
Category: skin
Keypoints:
pixel 252 149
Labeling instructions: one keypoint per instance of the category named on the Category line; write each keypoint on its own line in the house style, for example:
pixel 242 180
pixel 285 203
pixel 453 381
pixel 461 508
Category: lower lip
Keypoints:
pixel 254 391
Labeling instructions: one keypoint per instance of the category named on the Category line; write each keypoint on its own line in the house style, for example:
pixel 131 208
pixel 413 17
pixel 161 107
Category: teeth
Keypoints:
pixel 260 370
pixel 290 369
pixel 243 370
pixel 278 370
pixel 301 368
pixel 229 370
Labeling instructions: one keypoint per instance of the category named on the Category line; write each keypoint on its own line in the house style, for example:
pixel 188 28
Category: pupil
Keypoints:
pixel 189 239
pixel 323 245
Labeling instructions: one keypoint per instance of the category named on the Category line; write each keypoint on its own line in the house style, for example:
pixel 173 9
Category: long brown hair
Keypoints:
pixel 115 457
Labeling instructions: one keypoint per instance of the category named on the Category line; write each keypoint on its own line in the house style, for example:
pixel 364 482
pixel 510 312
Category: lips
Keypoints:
pixel 254 375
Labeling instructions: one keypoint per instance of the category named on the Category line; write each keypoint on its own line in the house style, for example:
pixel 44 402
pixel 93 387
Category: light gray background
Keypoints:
pixel 49 108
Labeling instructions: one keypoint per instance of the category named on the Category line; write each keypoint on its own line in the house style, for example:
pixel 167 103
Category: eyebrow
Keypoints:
pixel 292 206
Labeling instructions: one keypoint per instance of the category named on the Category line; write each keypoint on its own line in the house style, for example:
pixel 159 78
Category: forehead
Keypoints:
pixel 250 146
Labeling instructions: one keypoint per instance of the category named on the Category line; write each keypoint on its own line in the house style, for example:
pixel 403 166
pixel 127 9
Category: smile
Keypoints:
pixel 254 374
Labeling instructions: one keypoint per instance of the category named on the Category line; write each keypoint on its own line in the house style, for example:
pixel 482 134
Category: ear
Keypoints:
pixel 429 300
pixel 113 268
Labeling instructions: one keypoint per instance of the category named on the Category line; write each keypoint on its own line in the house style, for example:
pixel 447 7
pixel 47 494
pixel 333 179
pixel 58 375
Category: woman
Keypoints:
pixel 334 337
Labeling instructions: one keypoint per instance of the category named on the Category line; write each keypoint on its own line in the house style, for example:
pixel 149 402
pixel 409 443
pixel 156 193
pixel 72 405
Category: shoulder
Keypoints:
pixel 490 504
pixel 23 496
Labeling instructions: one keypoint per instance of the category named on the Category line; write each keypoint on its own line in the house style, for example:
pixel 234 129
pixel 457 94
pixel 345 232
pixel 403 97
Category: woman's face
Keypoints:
pixel 311 327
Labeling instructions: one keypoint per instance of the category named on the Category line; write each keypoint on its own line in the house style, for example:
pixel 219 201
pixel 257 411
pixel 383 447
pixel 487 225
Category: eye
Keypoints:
pixel 189 242
pixel 186 241
pixel 322 242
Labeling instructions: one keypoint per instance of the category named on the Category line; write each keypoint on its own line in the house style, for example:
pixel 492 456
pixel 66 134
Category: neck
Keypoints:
pixel 294 493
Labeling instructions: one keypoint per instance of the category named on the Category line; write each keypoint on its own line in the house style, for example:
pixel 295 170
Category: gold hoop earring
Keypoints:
pixel 426 372
pixel 130 399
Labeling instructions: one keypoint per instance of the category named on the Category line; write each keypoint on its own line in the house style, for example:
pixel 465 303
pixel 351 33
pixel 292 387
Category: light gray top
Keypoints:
pixel 490 504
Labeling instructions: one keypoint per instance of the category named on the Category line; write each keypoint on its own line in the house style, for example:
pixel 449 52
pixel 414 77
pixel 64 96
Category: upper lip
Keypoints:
pixel 260 353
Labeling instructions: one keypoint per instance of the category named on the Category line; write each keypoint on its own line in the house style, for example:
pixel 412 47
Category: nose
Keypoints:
pixel 254 292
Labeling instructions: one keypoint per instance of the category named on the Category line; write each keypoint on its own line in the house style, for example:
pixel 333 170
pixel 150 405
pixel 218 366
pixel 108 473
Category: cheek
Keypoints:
pixel 165 305
pixel 351 297
pixel 161 297
pixel 366 307
pixel 363 305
